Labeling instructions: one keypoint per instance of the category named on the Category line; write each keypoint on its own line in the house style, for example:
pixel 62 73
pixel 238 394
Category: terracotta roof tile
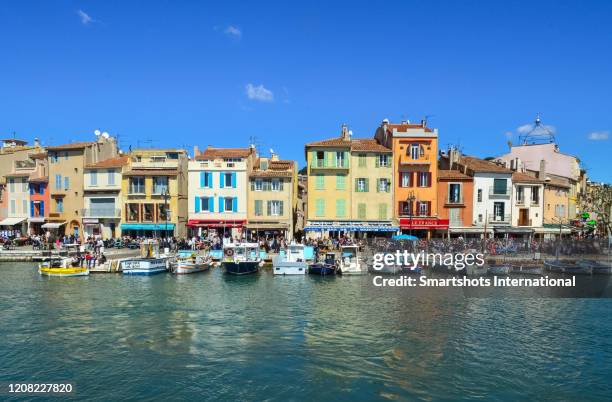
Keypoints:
pixel 271 173
pixel 151 172
pixel 452 175
pixel 117 161
pixel 74 145
pixel 368 144
pixel 336 142
pixel 211 153
pixel 276 168
pixel 518 177
pixel 481 165
pixel 39 155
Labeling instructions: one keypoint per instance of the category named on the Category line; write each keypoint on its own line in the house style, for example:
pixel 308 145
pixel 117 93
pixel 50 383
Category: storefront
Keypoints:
pixel 150 230
pixel 268 230
pixel 422 227
pixel 100 227
pixel 55 229
pixel 469 232
pixel 13 227
pixel 223 228
pixel 509 232
pixel 355 229
pixel 35 225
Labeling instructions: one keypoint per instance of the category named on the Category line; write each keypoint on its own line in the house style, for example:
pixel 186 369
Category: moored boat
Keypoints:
pixel 498 270
pixel 567 268
pixel 291 261
pixel 189 262
pixel 527 269
pixel 149 263
pixel 325 268
pixel 597 267
pixel 63 266
pixel 241 258
pixel 351 262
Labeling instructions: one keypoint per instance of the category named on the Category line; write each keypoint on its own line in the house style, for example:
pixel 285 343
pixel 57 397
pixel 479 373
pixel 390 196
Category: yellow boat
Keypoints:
pixel 61 267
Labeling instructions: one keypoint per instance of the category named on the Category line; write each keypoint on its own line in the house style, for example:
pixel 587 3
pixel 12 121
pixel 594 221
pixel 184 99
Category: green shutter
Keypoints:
pixel 362 160
pixel 367 185
pixel 320 182
pixel 361 211
pixel 382 211
pixel 258 207
pixel 320 207
pixel 377 157
pixel 340 208
pixel 340 182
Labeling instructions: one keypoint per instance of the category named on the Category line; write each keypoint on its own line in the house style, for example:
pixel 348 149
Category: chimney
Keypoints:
pixel 345 134
pixel 196 151
pixel 274 157
pixel 36 142
pixel 542 173
pixel 423 123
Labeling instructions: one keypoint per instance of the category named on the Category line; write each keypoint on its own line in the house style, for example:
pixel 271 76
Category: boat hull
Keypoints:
pixel 182 269
pixel 151 266
pixel 240 268
pixel 566 268
pixel 289 268
pixel 322 269
pixel 61 272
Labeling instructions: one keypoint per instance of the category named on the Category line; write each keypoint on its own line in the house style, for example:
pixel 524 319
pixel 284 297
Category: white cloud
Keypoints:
pixel 525 128
pixel 85 18
pixel 599 135
pixel 508 135
pixel 259 93
pixel 233 32
pixel 542 129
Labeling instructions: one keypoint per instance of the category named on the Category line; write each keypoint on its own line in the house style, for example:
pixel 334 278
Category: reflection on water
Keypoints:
pixel 215 336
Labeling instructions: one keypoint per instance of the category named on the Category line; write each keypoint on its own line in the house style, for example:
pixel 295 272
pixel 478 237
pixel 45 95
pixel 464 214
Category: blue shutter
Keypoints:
pixel 202 179
pixel 209 179
pixel 211 204
pixel 31 189
pixel 221 206
pixel 66 183
pixel 42 208
pixel 235 204
pixel 197 204
pixel 221 183
pixel 233 179
pixel 41 188
pixel 31 208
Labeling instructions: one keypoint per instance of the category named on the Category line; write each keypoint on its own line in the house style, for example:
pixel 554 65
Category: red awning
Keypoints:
pixel 216 223
pixel 423 223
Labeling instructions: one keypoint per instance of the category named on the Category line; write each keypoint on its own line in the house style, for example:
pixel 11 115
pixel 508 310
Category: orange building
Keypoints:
pixel 455 197
pixel 415 176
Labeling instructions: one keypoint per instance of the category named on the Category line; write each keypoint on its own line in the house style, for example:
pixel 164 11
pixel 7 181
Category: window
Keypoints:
pixel 405 179
pixel 132 212
pixel 414 151
pixel 520 194
pixel 424 179
pixel 205 204
pixel 382 211
pixel 111 177
pixel 423 208
pixel 535 195
pixel 137 185
pixel 58 182
pixel 147 212
pixel 405 208
pixel 53 157
pixel 93 178
pixel 258 185
pixel 13 207
pixel 340 160
pixel 24 206
pixel 276 185
pixel 361 211
pixel 12 185
pixel 479 195
pixel 275 208
pixel 498 211
pixel 160 185
pixel 499 186
pixel 228 204
pixel 319 182
pixel 479 217
pixel 362 160
pixel 263 164
pixel 454 193
pixel 59 205
pixel 320 207
pixel 266 185
pixel 205 179
pixel 361 185
pixel 340 182
pixel 24 185
pixel 383 160
pixel 227 179
pixel 163 213
pixel 384 185
pixel 66 155
pixel 258 207
pixel 340 208
pixel 66 182
pixel 320 159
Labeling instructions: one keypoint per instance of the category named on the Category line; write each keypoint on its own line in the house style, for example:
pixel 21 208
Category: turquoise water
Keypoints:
pixel 296 338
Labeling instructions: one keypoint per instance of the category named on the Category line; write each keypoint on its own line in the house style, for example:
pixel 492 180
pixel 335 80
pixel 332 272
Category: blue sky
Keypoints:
pixel 162 73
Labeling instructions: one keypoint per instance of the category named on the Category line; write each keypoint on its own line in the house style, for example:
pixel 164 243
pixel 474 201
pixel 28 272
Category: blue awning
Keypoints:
pixel 147 226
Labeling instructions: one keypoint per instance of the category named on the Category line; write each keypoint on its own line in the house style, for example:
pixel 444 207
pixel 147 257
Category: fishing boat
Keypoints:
pixel 327 267
pixel 567 268
pixel 598 267
pixel 241 258
pixel 62 266
pixel 189 262
pixel 526 269
pixel 291 261
pixel 150 262
pixel 351 262
pixel 498 270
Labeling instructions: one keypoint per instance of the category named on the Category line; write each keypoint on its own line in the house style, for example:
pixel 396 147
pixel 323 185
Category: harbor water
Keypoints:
pixel 257 337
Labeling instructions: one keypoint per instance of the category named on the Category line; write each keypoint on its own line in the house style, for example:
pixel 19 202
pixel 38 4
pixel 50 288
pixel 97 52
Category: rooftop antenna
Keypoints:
pixel 254 141
pixel 539 134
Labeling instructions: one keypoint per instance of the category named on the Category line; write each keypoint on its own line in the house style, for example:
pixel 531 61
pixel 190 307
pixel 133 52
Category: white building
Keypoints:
pixel 527 201
pixel 218 180
pixel 102 198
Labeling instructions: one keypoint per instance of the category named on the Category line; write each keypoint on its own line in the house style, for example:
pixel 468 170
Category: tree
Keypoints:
pixel 597 199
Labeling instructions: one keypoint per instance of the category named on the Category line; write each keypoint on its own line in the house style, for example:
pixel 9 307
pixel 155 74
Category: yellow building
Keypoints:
pixel 154 192
pixel 349 187
pixel 272 198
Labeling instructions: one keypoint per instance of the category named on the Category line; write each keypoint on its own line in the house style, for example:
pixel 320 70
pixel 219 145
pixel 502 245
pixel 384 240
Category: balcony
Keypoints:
pixel 535 203
pixel 324 164
pixel 101 213
pixel 407 160
pixel 453 200
pixel 495 218
pixel 152 163
pixel 520 202
pixel 499 192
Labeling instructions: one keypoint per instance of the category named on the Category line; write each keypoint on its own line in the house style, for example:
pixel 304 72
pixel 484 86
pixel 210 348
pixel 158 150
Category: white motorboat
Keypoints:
pixel 351 262
pixel 291 262
pixel 190 262
pixel 150 261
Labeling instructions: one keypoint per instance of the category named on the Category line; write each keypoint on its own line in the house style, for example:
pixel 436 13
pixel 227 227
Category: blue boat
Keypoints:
pixel 241 258
pixel 327 267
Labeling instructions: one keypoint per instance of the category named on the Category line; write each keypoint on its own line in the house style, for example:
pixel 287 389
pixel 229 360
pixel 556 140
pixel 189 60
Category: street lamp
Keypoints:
pixel 411 198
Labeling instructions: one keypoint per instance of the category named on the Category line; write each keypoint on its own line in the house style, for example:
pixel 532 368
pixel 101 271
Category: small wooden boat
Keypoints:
pixel 598 267
pixel 188 262
pixel 498 270
pixel 63 266
pixel 351 262
pixel 567 268
pixel 291 261
pixel 325 268
pixel 241 258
